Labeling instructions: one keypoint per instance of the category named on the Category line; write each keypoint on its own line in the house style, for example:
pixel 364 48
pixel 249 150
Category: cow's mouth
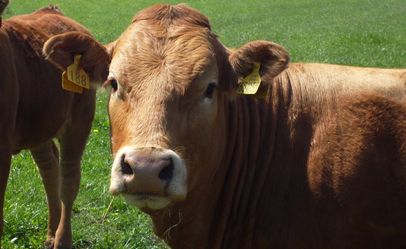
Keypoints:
pixel 147 200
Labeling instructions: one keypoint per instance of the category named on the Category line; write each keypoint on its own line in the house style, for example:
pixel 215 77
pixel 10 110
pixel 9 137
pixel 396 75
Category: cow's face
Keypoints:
pixel 163 110
pixel 169 78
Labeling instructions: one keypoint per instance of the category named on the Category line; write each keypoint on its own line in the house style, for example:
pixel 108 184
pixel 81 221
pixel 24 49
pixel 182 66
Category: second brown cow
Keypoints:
pixel 35 109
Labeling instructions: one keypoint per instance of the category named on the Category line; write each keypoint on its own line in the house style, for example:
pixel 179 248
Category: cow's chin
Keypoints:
pixel 145 202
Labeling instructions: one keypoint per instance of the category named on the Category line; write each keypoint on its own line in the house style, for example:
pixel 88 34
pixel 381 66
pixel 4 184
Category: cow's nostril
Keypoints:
pixel 125 167
pixel 167 172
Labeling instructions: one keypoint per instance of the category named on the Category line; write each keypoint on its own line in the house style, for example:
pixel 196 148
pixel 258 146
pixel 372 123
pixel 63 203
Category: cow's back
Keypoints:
pixel 317 87
pixel 317 78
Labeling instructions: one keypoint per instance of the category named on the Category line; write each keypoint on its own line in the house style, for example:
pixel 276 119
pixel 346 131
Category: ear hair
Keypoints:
pixel 272 57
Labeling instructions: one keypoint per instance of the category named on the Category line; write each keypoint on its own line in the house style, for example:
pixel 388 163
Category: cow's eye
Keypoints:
pixel 114 85
pixel 210 90
pixel 111 82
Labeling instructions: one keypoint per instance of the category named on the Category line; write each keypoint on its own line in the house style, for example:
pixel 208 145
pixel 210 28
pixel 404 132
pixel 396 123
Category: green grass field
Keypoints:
pixel 354 32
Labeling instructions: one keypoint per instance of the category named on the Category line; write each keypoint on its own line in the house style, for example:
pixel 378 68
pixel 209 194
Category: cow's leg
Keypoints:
pixel 72 144
pixel 5 160
pixel 46 157
pixel 71 152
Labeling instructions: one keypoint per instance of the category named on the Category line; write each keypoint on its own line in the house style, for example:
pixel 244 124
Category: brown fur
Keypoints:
pixel 319 163
pixel 35 109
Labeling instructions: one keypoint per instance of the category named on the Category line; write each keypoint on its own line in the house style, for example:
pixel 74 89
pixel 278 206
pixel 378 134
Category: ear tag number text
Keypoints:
pixel 77 75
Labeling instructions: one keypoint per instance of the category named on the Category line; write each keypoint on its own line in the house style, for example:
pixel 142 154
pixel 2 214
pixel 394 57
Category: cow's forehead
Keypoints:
pixel 173 43
pixel 146 50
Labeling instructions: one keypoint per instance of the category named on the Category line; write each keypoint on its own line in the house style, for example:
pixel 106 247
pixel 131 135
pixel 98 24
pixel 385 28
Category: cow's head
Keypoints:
pixel 170 78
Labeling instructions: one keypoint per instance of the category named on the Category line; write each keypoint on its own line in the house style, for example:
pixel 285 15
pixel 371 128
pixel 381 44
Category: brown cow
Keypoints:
pixel 319 163
pixel 35 109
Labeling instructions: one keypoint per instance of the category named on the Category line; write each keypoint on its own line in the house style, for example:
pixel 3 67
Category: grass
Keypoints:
pixel 354 32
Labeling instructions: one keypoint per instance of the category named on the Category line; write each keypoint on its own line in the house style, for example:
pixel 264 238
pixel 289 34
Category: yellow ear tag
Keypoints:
pixel 77 75
pixel 70 86
pixel 250 84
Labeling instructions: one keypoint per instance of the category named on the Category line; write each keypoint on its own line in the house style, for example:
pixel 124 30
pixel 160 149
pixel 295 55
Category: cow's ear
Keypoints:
pixel 95 60
pixel 271 58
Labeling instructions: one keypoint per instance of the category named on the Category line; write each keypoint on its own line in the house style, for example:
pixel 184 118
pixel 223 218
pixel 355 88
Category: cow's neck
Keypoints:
pixel 265 189
pixel 258 135
pixel 265 138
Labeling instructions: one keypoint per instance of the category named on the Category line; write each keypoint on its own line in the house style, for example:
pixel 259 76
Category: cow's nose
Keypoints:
pixel 144 175
pixel 144 164
pixel 146 171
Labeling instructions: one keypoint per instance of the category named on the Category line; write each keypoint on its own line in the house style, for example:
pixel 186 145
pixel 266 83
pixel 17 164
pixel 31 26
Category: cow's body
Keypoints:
pixel 35 109
pixel 319 163
pixel 284 181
